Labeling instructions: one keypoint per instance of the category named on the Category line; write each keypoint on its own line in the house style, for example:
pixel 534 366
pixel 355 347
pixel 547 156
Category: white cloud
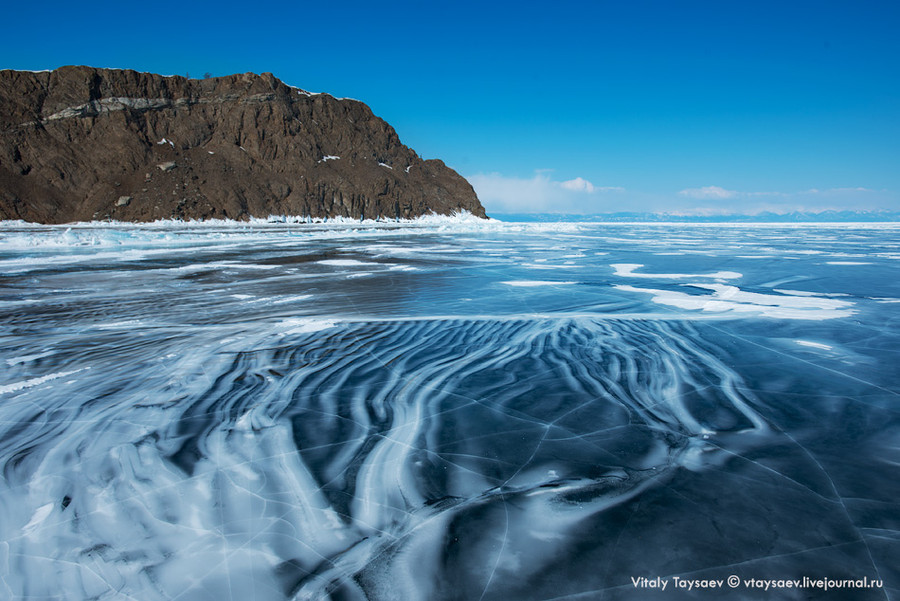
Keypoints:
pixel 838 190
pixel 772 194
pixel 578 185
pixel 718 193
pixel 700 211
pixel 708 193
pixel 540 194
pixel 812 200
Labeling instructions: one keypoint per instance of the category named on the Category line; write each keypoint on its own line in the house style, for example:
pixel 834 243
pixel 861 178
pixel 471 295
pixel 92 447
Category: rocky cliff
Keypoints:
pixel 80 143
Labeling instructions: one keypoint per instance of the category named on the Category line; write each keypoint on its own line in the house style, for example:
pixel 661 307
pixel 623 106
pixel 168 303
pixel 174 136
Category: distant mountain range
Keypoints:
pixel 81 144
pixel 794 217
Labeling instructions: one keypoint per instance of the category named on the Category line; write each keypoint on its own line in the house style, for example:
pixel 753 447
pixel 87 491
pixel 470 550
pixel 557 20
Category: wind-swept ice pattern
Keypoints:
pixel 378 411
pixel 295 467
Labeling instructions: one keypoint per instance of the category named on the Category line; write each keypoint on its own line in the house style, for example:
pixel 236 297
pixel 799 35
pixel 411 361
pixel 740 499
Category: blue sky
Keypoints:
pixel 584 107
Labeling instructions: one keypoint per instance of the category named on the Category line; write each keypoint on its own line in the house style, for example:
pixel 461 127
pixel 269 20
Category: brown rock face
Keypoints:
pixel 80 143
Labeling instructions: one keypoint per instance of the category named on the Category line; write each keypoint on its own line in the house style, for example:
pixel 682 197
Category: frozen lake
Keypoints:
pixel 448 409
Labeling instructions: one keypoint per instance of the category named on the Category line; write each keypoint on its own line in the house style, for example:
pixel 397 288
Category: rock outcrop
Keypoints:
pixel 79 144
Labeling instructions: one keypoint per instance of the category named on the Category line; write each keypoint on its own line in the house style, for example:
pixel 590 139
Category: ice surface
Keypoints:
pixel 208 411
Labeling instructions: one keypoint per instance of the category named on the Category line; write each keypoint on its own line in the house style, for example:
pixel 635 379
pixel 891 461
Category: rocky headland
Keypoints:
pixel 82 144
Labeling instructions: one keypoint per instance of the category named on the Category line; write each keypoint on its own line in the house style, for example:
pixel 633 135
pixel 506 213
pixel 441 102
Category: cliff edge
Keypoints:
pixel 80 143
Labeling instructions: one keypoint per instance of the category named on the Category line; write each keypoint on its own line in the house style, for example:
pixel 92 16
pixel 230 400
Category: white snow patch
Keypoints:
pixel 534 283
pixel 386 165
pixel 627 270
pixel 28 358
pixel 550 266
pixel 304 325
pixel 40 514
pixel 811 344
pixel 245 423
pixel 734 301
pixel 329 157
pixel 806 293
pixel 291 299
pixel 15 386
pixel 346 263
pixel 112 325
pixel 219 265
